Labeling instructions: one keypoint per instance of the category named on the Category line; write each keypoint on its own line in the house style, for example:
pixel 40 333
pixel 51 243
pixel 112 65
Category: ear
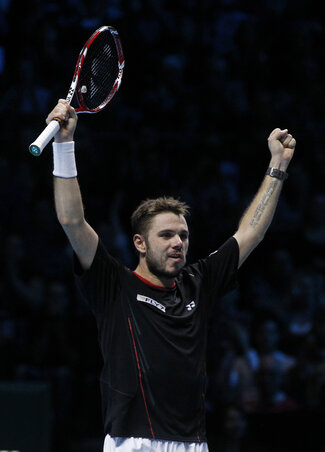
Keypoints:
pixel 139 243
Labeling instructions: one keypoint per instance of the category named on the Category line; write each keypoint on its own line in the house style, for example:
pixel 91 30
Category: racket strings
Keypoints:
pixel 99 71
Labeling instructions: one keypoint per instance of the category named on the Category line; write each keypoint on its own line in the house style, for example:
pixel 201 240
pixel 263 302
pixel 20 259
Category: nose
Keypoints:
pixel 178 242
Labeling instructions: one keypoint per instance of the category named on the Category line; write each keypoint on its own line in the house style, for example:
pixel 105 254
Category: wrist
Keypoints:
pixel 281 165
pixel 276 173
pixel 67 139
pixel 64 163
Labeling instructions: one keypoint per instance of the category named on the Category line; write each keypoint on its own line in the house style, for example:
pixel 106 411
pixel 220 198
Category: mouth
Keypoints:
pixel 176 257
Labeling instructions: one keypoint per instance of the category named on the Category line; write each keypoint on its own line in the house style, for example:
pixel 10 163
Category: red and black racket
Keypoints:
pixel 96 79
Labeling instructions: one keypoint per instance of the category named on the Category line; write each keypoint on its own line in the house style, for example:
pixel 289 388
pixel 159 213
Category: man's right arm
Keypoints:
pixel 70 213
pixel 68 201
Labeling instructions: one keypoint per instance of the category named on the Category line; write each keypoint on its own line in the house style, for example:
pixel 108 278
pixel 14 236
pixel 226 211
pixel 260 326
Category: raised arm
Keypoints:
pixel 257 218
pixel 68 201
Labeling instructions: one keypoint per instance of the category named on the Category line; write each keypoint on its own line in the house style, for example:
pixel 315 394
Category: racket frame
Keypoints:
pixel 36 148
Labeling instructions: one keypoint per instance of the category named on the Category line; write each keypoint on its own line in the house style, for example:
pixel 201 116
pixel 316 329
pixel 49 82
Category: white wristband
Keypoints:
pixel 64 160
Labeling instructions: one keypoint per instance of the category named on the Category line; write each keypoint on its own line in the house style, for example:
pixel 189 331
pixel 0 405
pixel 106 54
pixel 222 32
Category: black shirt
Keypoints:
pixel 153 343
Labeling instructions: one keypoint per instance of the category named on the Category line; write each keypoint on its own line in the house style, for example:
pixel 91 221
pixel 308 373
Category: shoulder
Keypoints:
pixel 102 261
pixel 230 246
pixel 228 251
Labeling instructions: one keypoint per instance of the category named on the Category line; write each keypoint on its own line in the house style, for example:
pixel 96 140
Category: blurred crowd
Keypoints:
pixel 205 83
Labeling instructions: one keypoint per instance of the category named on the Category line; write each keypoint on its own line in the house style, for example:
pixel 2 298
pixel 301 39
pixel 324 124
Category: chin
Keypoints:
pixel 175 272
pixel 169 274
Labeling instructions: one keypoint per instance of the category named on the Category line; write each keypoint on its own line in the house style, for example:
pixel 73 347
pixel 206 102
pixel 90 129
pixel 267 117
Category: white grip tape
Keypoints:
pixel 64 161
pixel 48 133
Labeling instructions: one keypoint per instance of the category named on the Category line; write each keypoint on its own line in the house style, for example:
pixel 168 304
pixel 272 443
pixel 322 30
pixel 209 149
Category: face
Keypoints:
pixel 167 245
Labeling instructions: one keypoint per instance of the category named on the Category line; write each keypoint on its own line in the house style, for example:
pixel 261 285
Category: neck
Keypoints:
pixel 145 273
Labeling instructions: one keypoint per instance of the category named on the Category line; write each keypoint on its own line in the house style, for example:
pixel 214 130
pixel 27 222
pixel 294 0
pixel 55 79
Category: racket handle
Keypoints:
pixel 36 148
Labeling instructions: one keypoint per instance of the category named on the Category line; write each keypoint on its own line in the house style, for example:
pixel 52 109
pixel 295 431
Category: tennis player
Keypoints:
pixel 152 322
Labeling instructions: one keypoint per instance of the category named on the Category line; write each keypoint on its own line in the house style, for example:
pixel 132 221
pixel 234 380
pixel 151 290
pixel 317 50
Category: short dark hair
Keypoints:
pixel 149 208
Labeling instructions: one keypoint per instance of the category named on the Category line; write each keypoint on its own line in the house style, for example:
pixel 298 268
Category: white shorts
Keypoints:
pixel 148 445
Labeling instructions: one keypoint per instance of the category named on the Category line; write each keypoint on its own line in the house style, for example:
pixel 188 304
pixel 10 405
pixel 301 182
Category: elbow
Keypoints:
pixel 258 238
pixel 249 236
pixel 248 241
pixel 255 240
pixel 68 221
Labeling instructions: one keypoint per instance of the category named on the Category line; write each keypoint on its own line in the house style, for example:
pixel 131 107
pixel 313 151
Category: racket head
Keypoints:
pixel 99 70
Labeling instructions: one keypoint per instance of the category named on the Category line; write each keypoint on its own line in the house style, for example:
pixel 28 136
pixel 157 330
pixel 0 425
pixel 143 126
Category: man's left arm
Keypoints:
pixel 257 218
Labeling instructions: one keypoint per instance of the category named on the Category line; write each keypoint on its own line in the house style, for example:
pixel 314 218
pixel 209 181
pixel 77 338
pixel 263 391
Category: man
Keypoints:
pixel 152 322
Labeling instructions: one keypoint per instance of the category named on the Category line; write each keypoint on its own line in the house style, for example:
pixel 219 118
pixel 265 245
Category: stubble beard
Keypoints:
pixel 158 269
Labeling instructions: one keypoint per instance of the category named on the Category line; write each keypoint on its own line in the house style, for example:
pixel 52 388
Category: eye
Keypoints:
pixel 184 236
pixel 166 235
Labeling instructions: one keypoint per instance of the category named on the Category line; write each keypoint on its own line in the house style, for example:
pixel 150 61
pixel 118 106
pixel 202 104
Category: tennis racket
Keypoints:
pixel 96 79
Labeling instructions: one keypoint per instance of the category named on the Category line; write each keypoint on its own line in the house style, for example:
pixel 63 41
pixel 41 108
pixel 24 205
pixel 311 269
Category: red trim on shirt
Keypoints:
pixel 153 285
pixel 140 378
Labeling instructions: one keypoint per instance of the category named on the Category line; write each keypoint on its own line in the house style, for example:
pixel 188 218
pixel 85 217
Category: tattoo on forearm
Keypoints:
pixel 263 204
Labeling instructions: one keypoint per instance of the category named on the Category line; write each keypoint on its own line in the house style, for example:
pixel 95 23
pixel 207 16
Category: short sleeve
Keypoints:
pixel 99 283
pixel 221 268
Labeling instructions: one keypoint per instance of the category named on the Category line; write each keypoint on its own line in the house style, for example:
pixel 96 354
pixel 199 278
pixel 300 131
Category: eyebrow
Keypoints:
pixel 173 231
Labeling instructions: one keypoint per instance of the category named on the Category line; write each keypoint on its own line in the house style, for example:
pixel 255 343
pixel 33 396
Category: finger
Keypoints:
pixel 60 112
pixel 292 143
pixel 63 101
pixel 72 112
pixel 289 141
pixel 277 133
pixel 60 117
pixel 67 108
pixel 285 139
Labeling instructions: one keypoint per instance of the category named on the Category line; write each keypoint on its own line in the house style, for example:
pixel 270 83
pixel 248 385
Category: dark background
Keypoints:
pixel 205 83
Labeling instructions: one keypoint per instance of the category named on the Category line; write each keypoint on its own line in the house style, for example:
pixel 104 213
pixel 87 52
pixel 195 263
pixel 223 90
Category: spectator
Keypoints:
pixel 232 379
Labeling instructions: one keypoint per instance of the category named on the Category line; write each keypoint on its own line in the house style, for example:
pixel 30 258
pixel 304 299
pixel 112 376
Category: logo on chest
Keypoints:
pixel 154 303
pixel 190 306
